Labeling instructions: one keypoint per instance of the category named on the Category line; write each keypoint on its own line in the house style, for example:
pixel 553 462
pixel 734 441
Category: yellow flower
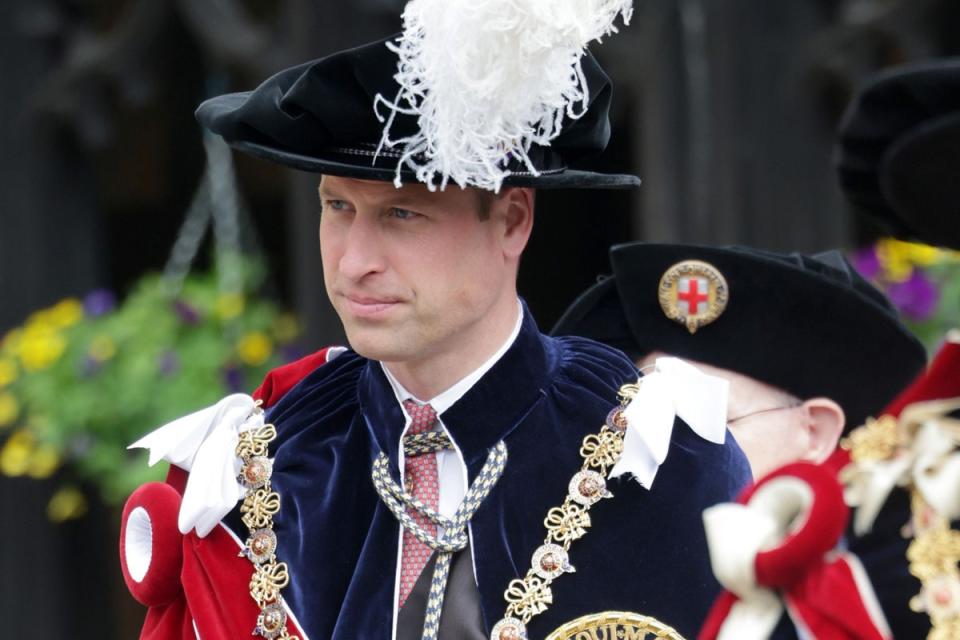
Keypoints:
pixel 8 371
pixel 254 348
pixel 65 313
pixel 894 256
pixel 102 348
pixel 229 305
pixel 16 453
pixel 899 258
pixel 68 503
pixel 38 319
pixel 44 461
pixel 922 255
pixel 286 327
pixel 40 346
pixel 11 340
pixel 9 409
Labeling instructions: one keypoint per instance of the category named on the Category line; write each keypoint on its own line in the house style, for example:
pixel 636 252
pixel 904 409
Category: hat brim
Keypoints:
pixel 565 179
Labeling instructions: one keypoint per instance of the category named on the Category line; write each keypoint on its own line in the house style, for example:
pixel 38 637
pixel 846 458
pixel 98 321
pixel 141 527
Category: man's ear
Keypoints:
pixel 517 203
pixel 824 421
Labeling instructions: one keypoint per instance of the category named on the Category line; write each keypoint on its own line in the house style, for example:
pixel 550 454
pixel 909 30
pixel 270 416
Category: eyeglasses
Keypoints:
pixel 770 410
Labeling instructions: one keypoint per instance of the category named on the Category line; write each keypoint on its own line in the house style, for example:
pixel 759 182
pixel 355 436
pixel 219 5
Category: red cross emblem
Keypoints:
pixel 693 293
pixel 689 292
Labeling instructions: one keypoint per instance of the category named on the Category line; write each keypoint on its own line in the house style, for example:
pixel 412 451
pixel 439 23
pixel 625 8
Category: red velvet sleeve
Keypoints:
pixel 210 590
pixel 279 381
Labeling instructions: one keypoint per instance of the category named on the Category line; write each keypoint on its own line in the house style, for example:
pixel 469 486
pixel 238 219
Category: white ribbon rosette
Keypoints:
pixel 928 458
pixel 674 389
pixel 204 443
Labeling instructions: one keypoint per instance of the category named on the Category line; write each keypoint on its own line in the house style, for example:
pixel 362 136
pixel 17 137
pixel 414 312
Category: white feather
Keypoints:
pixel 487 79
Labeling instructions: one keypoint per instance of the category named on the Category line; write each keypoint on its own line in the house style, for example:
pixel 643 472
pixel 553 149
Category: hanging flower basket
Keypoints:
pixel 81 380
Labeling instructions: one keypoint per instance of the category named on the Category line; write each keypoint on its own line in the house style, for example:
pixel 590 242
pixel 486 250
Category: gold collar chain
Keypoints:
pixel 259 506
pixel 526 597
pixel 532 595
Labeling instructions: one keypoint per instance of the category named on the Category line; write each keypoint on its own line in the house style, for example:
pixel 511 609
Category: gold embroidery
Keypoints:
pixel 876 440
pixel 615 625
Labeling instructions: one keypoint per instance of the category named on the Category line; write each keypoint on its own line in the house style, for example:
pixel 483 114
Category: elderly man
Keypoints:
pixel 809 347
pixel 443 476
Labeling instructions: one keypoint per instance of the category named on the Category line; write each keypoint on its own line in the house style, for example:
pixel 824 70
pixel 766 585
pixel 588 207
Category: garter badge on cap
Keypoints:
pixel 693 293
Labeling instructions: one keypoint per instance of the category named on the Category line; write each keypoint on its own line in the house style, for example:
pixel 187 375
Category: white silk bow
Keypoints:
pixel 675 388
pixel 204 443
pixel 931 463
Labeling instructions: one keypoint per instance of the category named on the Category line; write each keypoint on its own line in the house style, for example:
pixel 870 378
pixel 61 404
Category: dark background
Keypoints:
pixel 727 110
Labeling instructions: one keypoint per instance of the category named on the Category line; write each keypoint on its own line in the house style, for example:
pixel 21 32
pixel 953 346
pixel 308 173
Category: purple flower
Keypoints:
pixel 186 313
pixel 168 363
pixel 291 352
pixel 867 262
pixel 90 367
pixel 916 297
pixel 99 302
pixel 233 379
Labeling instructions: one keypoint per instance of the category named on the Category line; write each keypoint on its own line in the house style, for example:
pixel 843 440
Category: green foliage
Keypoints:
pixel 83 379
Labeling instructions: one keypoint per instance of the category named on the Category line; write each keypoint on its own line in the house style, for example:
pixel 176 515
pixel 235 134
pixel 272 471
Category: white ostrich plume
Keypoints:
pixel 487 79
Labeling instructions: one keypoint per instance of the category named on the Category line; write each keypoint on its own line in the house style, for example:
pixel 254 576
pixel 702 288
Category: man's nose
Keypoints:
pixel 362 250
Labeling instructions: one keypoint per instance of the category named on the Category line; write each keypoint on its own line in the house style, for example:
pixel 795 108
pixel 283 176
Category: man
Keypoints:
pixel 809 347
pixel 897 153
pixel 444 476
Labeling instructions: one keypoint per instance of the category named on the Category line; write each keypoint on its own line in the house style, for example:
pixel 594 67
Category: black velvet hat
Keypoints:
pixel 899 151
pixel 320 117
pixel 810 325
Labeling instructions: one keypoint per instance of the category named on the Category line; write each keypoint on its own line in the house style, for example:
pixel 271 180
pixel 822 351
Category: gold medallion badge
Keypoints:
pixel 615 625
pixel 693 293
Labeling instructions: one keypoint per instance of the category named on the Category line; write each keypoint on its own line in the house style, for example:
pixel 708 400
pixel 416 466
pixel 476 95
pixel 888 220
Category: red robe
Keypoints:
pixel 197 586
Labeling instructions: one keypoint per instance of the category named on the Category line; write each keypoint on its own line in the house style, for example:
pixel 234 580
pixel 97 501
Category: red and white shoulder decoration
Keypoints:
pixel 176 557
pixel 777 549
pixel 915 445
pixel 912 445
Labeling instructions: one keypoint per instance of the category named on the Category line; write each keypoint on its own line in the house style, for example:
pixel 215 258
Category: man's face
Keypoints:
pixel 411 273
pixel 768 424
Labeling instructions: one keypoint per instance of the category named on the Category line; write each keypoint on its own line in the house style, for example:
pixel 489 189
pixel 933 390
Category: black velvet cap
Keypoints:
pixel 319 117
pixel 899 151
pixel 810 325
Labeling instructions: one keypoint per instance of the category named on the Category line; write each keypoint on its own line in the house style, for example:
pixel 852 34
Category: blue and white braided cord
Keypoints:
pixel 454 537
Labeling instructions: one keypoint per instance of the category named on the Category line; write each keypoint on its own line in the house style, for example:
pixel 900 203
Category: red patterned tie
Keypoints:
pixel 421 480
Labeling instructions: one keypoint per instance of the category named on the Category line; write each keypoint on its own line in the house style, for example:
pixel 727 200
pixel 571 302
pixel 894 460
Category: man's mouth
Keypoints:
pixel 369 307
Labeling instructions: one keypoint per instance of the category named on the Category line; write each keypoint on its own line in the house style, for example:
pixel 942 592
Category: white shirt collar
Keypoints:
pixel 446 399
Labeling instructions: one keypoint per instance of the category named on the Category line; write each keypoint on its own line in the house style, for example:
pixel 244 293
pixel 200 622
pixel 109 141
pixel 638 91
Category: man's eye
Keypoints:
pixel 403 214
pixel 335 205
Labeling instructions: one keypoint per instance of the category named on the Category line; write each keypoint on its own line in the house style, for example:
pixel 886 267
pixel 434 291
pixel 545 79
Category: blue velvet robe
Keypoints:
pixel 645 552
